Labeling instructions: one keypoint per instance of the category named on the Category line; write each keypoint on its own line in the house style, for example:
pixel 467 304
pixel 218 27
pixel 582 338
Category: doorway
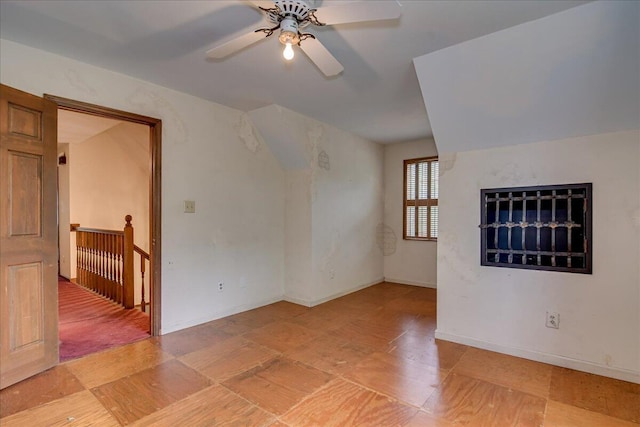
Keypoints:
pixel 154 235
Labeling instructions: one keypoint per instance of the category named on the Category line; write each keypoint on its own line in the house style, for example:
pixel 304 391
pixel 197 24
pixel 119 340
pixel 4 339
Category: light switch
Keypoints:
pixel 189 206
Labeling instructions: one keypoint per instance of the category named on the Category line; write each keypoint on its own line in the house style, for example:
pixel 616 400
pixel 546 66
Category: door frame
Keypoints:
pixel 155 193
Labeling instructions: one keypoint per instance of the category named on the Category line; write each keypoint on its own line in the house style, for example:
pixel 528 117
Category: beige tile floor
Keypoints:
pixel 367 359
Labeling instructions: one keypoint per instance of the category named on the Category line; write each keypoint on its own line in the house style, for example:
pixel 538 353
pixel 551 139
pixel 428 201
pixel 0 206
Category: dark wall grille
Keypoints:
pixel 542 228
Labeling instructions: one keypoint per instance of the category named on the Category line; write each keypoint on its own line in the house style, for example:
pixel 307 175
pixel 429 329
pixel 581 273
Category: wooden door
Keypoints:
pixel 28 236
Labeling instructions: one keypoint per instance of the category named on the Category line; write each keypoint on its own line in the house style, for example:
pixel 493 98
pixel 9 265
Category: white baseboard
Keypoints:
pixel 552 359
pixel 313 303
pixel 218 315
pixel 246 307
pixel 299 301
pixel 411 282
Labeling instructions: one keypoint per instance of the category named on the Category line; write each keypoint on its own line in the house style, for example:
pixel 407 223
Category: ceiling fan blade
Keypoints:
pixel 267 4
pixel 320 56
pixel 359 12
pixel 234 45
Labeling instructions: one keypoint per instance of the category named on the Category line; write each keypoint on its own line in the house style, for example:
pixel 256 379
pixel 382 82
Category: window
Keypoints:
pixel 540 228
pixel 421 199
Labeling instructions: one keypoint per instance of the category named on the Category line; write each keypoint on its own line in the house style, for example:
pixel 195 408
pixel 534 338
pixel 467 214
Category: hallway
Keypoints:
pixel 89 323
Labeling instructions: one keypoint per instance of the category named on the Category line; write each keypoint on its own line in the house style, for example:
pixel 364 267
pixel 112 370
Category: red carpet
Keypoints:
pixel 89 323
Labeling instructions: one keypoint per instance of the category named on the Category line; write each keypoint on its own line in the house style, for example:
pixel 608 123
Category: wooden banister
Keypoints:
pixel 99 256
pixel 105 260
pixel 127 298
pixel 143 256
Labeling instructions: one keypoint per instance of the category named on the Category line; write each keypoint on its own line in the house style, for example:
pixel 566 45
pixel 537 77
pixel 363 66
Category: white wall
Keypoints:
pixel 504 309
pixel 334 203
pixel 298 284
pixel 237 233
pixel 410 262
pixel 109 178
pixel 347 206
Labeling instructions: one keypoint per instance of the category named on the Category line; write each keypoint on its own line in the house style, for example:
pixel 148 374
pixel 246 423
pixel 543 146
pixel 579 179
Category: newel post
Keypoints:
pixel 127 279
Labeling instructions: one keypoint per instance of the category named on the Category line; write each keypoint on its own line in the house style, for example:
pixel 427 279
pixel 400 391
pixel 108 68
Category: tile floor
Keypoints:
pixel 367 359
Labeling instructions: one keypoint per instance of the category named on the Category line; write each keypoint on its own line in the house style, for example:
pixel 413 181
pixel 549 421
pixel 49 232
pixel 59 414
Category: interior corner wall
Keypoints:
pixel 347 208
pixel 109 179
pixel 334 206
pixel 503 309
pixel 64 234
pixel 236 235
pixel 298 286
pixel 409 262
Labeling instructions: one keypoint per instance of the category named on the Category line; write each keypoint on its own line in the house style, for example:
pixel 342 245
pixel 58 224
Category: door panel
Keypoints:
pixel 28 233
pixel 25 302
pixel 25 194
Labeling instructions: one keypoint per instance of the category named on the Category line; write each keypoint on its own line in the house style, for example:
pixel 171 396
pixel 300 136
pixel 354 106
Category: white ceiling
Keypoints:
pixel 377 96
pixel 76 127
pixel 571 74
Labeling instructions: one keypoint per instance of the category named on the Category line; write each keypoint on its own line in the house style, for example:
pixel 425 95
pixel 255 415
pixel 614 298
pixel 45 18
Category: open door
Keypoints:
pixel 28 236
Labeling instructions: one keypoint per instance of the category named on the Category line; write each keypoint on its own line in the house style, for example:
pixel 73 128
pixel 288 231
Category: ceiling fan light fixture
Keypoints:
pixel 289 31
pixel 288 36
pixel 288 52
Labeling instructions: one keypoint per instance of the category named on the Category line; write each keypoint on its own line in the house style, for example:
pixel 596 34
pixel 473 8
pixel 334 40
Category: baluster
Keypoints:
pixel 128 278
pixel 114 261
pixel 94 269
pixel 84 259
pixel 110 262
pixel 90 259
pixel 95 262
pixel 142 301
pixel 78 256
pixel 119 268
pixel 103 283
pixel 83 250
pixel 98 262
pixel 103 265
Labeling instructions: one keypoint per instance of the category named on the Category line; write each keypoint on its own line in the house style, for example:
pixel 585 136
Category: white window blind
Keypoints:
pixel 421 198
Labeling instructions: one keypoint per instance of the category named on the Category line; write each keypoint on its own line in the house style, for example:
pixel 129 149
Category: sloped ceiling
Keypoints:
pixel 76 127
pixel 164 42
pixel 569 74
pixel 284 139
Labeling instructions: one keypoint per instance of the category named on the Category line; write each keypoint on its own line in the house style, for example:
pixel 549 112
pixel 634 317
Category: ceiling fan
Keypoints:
pixel 291 16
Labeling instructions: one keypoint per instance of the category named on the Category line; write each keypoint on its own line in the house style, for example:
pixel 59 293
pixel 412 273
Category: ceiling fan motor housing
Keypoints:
pixel 298 9
pixel 293 15
pixel 289 31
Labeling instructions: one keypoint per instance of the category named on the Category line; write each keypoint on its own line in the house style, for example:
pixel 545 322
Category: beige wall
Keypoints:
pixel 406 261
pixel 503 309
pixel 67 257
pixel 109 179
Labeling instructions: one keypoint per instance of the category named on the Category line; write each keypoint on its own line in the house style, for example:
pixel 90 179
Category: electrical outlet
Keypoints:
pixel 553 320
pixel 189 206
pixel 220 287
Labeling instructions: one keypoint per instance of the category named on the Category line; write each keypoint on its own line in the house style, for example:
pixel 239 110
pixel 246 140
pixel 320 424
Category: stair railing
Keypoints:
pixel 105 261
pixel 144 257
